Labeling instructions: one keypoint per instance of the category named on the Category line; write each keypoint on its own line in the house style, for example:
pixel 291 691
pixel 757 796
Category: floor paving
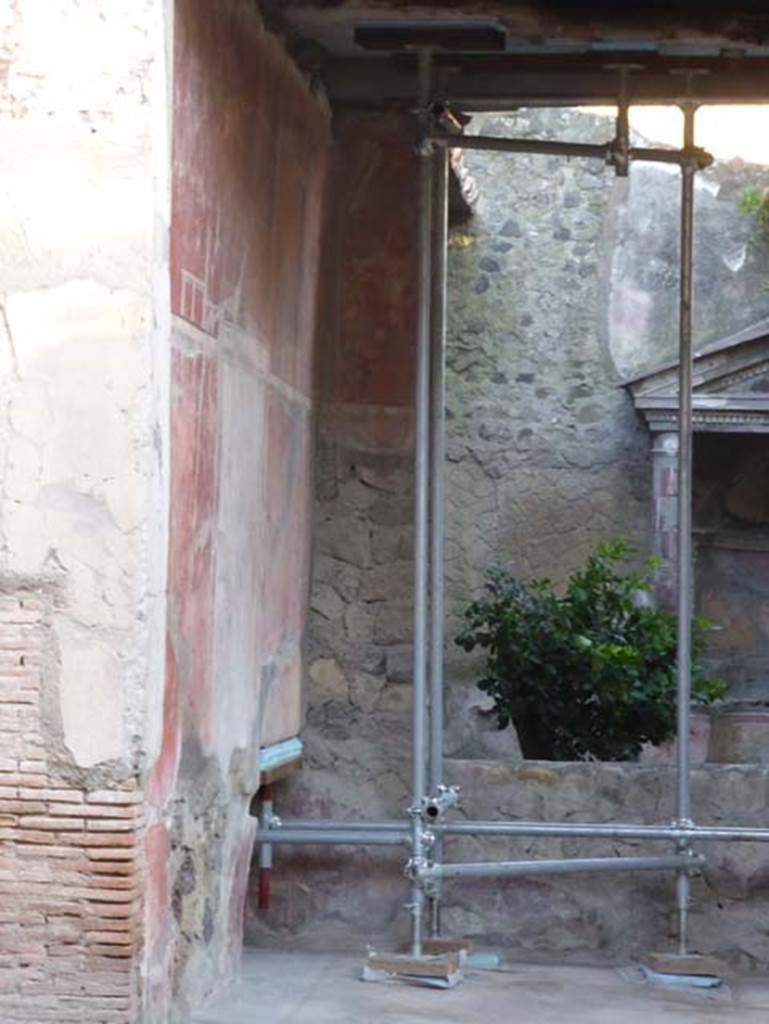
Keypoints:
pixel 311 988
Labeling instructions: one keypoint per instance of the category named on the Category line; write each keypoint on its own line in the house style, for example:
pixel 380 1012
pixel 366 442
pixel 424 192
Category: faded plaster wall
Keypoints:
pixel 83 514
pixel 249 152
pixel 83 313
pixel 545 456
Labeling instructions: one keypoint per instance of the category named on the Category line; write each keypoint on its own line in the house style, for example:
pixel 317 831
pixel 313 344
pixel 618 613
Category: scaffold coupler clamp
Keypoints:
pixel 415 868
pixel 436 804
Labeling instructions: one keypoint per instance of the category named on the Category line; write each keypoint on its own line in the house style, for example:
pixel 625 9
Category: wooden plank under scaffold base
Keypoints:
pixel 441 970
pixel 693 964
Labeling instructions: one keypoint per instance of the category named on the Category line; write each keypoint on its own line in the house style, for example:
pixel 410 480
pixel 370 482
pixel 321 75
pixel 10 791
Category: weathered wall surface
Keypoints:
pixel 731 263
pixel 83 323
pixel 545 458
pixel 249 151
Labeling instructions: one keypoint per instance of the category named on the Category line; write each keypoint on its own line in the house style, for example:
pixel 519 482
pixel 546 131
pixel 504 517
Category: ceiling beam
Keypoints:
pixel 499 82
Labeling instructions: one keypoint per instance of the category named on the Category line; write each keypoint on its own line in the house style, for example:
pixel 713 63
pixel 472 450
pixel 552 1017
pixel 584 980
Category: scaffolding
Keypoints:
pixel 429 824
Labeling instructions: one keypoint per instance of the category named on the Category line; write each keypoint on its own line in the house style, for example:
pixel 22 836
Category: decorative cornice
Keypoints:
pixel 732 362
pixel 714 420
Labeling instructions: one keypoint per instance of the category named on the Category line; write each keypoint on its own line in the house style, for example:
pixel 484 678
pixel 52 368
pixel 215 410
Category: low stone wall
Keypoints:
pixel 333 897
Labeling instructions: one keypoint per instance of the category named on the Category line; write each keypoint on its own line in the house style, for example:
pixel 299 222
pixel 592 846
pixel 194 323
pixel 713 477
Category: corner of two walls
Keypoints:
pixel 357 731
pixel 249 159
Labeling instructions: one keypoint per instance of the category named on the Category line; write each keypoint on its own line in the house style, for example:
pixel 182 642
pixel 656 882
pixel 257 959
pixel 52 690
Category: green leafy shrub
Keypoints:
pixel 591 674
pixel 755 202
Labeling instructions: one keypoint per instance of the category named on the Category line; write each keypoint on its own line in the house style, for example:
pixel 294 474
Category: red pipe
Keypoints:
pixel 264 888
pixel 265 850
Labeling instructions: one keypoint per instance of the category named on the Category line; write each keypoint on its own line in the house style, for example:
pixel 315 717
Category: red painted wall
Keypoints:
pixel 249 159
pixel 369 315
pixel 376 196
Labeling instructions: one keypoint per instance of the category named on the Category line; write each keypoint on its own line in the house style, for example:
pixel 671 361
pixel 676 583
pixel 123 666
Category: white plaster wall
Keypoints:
pixel 84 211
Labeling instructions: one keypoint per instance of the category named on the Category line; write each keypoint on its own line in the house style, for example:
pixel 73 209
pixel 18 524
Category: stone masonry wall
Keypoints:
pixel 545 458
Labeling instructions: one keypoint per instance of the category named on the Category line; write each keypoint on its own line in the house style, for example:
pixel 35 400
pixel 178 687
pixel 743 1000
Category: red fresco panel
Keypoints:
pixel 375 179
pixel 297 206
pixel 307 300
pixel 194 483
pixel 290 206
pixel 219 88
pixel 249 153
pixel 248 145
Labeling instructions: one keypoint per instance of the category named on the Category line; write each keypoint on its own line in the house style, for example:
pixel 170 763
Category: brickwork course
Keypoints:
pixel 70 878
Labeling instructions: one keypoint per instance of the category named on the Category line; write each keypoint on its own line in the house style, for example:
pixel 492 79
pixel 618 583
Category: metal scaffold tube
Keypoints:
pixel 589 151
pixel 291 836
pixel 542 147
pixel 437 461
pixel 508 868
pixel 684 537
pixel 304 831
pixel 421 504
pixel 339 825
pixel 439 239
pixel 604 831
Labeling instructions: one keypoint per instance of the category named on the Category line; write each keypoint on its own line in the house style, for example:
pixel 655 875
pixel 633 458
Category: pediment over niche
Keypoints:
pixel 730 386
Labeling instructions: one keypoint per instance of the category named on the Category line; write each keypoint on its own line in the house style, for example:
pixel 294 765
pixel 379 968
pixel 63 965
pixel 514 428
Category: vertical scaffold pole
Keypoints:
pixel 439 242
pixel 684 543
pixel 421 509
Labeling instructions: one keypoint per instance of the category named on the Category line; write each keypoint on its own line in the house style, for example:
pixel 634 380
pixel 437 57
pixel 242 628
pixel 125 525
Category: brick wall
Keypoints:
pixel 69 886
